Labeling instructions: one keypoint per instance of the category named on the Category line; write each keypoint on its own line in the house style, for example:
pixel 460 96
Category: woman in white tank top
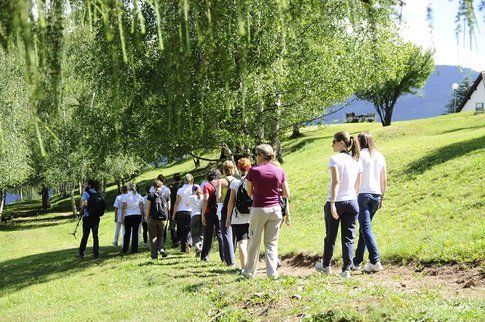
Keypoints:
pixel 372 191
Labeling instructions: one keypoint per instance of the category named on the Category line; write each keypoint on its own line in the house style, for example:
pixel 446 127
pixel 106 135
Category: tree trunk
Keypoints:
pixel 296 131
pixel 46 203
pixel 31 193
pixel 275 134
pixel 260 124
pixel 103 187
pixel 73 202
pixel 2 202
pixel 388 115
pixel 21 195
pixel 118 184
pixel 80 188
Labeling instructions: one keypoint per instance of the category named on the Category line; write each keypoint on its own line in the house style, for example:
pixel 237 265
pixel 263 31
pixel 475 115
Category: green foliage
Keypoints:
pixel 460 93
pixel 408 69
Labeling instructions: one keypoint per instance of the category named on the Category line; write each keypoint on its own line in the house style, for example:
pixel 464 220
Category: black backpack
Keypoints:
pixel 96 204
pixel 159 207
pixel 243 200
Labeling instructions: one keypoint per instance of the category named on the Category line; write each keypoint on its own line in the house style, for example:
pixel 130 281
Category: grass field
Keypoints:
pixel 432 221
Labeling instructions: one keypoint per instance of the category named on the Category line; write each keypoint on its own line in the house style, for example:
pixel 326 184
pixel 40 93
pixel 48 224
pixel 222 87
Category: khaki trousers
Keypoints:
pixel 156 230
pixel 267 221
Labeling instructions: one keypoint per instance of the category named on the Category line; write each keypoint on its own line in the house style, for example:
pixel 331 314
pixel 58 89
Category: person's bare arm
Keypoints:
pixel 383 182
pixel 358 183
pixel 249 188
pixel 142 209
pixel 285 190
pixel 123 212
pixel 149 207
pixel 230 207
pixel 287 217
pixel 334 191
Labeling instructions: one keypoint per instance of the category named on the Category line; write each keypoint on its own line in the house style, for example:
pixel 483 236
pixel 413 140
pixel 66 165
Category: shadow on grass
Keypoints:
pixel 35 222
pixel 460 129
pixel 299 144
pixel 445 154
pixel 22 272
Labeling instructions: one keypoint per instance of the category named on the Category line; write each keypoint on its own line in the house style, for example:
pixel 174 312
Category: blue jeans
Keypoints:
pixel 368 204
pixel 347 212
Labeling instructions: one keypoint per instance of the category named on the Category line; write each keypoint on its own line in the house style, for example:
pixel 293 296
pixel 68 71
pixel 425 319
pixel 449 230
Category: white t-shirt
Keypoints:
pixel 196 203
pixel 371 175
pixel 185 192
pixel 133 202
pixel 118 204
pixel 348 170
pixel 238 218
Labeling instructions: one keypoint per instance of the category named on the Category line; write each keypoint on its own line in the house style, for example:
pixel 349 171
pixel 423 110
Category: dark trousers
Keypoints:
pixel 212 224
pixel 227 242
pixel 156 230
pixel 90 223
pixel 368 205
pixel 173 232
pixel 347 212
pixel 132 223
pixel 145 231
pixel 183 228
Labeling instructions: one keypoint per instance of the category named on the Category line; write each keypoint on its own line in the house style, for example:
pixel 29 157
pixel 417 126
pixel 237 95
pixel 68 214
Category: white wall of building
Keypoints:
pixel 478 96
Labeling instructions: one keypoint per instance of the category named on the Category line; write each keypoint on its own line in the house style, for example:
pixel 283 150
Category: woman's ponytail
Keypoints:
pixel 354 148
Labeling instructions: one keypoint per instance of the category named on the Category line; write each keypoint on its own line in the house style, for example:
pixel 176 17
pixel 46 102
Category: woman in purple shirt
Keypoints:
pixel 264 183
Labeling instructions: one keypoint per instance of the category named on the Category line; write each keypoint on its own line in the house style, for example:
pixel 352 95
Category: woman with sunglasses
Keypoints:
pixel 342 206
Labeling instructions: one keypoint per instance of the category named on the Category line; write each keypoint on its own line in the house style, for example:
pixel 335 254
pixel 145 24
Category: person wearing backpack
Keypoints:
pixel 183 213
pixel 144 223
pixel 92 208
pixel 132 211
pixel 239 206
pixel 118 216
pixel 158 211
pixel 174 187
pixel 209 215
pixel 223 195
pixel 265 184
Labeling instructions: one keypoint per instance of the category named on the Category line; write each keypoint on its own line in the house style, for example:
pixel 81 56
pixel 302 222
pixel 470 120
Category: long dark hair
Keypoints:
pixel 366 141
pixel 352 144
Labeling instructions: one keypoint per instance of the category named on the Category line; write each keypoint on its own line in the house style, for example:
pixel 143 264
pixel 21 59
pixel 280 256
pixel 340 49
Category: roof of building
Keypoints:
pixel 470 91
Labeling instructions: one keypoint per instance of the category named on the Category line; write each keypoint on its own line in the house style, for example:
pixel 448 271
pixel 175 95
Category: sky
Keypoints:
pixel 415 28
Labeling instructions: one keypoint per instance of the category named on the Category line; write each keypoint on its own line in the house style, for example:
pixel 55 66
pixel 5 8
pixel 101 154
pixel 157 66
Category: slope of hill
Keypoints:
pixel 431 101
pixel 433 215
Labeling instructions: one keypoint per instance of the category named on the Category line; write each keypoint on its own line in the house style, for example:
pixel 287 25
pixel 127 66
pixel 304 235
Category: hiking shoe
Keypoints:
pixel 373 268
pixel 114 243
pixel 345 274
pixel 245 274
pixel 356 268
pixel 163 252
pixel 323 269
pixel 80 255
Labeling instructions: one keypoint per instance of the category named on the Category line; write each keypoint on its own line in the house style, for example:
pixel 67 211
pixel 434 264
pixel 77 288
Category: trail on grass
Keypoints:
pixel 451 280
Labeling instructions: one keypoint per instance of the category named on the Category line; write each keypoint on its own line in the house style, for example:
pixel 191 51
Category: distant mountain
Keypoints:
pixel 431 101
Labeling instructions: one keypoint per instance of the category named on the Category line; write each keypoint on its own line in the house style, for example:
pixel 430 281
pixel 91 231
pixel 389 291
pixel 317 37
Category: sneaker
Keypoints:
pixel 245 274
pixel 163 252
pixel 197 252
pixel 80 255
pixel 373 268
pixel 356 268
pixel 187 249
pixel 323 269
pixel 345 274
pixel 114 243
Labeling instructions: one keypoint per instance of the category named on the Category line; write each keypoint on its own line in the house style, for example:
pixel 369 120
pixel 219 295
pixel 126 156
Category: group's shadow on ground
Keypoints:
pixel 445 154
pixel 22 272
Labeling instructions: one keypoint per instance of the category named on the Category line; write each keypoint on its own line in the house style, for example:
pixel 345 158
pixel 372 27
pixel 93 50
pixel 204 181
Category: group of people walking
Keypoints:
pixel 246 204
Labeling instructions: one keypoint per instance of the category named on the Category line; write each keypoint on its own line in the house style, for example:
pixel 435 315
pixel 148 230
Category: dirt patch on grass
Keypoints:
pixel 467 280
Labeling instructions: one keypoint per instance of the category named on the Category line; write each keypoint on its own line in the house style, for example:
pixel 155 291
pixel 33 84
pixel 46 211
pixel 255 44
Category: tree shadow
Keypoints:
pixel 445 154
pixel 22 272
pixel 460 129
pixel 299 144
pixel 35 222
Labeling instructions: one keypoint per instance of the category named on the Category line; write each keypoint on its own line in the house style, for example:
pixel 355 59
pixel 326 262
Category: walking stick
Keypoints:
pixel 77 225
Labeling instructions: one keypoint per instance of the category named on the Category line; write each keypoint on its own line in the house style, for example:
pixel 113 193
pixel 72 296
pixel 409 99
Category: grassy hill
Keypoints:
pixel 433 216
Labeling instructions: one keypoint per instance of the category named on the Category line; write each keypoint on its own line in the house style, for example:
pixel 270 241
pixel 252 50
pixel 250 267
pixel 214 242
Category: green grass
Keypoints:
pixel 433 215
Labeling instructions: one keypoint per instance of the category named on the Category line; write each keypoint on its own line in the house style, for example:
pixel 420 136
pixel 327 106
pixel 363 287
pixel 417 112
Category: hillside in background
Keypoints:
pixel 430 231
pixel 431 101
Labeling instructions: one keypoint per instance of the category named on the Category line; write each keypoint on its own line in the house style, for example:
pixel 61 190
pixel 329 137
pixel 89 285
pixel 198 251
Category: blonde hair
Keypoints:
pixel 276 163
pixel 228 167
pixel 189 179
pixel 244 164
pixel 132 187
